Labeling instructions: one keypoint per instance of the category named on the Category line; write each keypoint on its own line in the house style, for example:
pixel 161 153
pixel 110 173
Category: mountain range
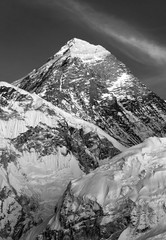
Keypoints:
pixel 82 148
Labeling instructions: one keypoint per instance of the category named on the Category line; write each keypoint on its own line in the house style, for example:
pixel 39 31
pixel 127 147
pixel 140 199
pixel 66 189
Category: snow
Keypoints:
pixel 15 179
pixel 44 177
pixel 15 209
pixel 121 80
pixel 108 184
pixel 48 169
pixel 49 176
pixel 14 127
pixel 85 51
pixel 125 234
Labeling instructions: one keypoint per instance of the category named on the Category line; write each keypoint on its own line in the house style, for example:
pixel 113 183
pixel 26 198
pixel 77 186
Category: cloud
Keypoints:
pixel 126 38
pixel 119 33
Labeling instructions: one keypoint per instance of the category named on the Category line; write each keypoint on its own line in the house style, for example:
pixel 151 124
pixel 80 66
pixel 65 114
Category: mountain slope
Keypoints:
pixel 66 121
pixel 123 200
pixel 89 82
pixel 41 149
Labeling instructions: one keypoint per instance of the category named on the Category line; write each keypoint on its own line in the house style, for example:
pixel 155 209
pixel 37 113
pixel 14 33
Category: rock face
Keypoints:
pixel 41 149
pixel 89 82
pixel 70 119
pixel 124 200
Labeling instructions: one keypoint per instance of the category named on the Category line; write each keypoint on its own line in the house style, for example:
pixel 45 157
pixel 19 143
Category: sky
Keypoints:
pixel 134 31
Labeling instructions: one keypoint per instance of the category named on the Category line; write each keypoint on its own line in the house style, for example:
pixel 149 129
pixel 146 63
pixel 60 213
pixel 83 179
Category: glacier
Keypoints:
pixel 82 151
pixel 42 148
pixel 123 199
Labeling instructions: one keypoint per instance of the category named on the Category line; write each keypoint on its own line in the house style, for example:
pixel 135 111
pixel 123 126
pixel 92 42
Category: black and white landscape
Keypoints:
pixel 82 151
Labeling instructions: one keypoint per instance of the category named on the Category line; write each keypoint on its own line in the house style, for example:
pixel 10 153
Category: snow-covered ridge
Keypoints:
pixel 85 51
pixel 37 162
pixel 147 156
pixel 131 187
pixel 103 92
pixel 72 120
pixel 52 145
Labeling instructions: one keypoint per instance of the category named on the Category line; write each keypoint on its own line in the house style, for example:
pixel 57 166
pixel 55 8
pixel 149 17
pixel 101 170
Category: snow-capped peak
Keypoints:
pixel 85 51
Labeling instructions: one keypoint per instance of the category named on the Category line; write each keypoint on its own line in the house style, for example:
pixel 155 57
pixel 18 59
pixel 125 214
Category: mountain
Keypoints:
pixel 70 119
pixel 42 148
pixel 123 200
pixel 89 82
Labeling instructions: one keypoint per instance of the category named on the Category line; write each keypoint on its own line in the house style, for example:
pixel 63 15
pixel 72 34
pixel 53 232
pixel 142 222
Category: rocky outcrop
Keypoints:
pixel 42 148
pixel 70 119
pixel 89 82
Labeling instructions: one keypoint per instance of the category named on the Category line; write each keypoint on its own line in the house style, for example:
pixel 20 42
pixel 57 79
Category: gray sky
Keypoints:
pixel 134 31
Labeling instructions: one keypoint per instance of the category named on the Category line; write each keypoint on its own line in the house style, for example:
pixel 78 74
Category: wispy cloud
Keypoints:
pixel 120 34
pixel 126 37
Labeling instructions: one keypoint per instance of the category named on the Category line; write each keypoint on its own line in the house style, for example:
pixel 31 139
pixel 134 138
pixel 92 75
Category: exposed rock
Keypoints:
pixel 42 148
pixel 70 118
pixel 89 82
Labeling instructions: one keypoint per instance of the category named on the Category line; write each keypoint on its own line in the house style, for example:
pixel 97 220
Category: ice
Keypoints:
pixel 141 178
